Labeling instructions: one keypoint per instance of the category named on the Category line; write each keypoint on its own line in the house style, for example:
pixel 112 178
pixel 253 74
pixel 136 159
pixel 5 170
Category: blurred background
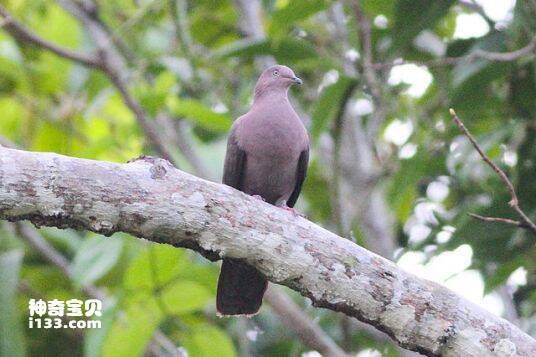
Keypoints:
pixel 111 80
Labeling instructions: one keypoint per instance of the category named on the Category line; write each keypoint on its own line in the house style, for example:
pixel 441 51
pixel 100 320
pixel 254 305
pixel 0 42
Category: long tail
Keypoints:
pixel 240 289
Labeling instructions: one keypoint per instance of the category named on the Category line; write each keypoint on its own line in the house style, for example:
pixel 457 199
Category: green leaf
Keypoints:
pixel 214 23
pixel 465 71
pixel 403 188
pixel 288 50
pixel 374 8
pixel 471 88
pixel 95 338
pixel 524 18
pixel 95 257
pixel 526 189
pixel 67 239
pixel 317 192
pixel 204 274
pixel 292 50
pixel 62 29
pixel 200 114
pixel 243 47
pixel 523 91
pixel 153 97
pixel 50 137
pixel 185 296
pixel 295 10
pixel 526 171
pixel 329 103
pixel 497 246
pixel 132 330
pixel 11 333
pixel 208 341
pixel 413 16
pixel 13 114
pixel 58 27
pixel 157 265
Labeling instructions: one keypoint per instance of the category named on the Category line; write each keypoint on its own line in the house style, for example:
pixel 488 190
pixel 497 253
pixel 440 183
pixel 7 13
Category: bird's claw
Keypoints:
pixel 259 197
pixel 295 212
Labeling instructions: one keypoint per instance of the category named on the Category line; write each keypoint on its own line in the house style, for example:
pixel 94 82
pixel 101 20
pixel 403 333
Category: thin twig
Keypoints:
pixel 21 33
pixel 140 14
pixel 293 317
pixel 116 69
pixel 31 236
pixel 514 202
pixel 109 61
pixel 507 56
pixel 530 48
pixel 162 138
pixel 177 131
pixel 512 222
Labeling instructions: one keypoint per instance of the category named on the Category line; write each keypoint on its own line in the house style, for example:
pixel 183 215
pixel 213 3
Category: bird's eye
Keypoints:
pixel 276 73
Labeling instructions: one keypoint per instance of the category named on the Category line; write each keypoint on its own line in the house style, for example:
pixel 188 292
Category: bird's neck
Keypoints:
pixel 265 95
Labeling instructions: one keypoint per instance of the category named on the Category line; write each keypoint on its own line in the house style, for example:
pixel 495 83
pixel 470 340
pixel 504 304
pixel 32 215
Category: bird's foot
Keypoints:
pixel 295 212
pixel 259 198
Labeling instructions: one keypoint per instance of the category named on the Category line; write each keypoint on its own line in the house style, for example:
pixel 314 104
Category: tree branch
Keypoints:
pixel 22 34
pixel 514 202
pixel 150 199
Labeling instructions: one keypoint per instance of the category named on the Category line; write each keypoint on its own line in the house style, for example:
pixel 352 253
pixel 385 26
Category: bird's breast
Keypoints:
pixel 277 136
pixel 272 152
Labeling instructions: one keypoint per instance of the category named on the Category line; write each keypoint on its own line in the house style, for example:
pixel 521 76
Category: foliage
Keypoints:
pixel 200 69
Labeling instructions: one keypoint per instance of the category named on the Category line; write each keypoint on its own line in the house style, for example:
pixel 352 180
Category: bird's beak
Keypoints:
pixel 297 80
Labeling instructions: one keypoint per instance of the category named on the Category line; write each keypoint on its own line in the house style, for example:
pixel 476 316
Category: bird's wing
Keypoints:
pixel 300 177
pixel 235 163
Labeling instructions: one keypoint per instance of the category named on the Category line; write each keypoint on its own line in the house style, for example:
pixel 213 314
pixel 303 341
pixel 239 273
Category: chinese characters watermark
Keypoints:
pixel 61 313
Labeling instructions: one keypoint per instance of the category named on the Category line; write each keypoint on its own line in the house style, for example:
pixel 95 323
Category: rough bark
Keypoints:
pixel 150 199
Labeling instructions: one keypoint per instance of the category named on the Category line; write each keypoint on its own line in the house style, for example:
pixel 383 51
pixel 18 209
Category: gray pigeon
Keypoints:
pixel 267 156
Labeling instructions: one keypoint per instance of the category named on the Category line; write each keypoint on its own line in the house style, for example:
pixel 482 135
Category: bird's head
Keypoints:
pixel 276 78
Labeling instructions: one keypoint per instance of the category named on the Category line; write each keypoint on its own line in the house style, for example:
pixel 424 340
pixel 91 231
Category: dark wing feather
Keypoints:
pixel 235 163
pixel 300 177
